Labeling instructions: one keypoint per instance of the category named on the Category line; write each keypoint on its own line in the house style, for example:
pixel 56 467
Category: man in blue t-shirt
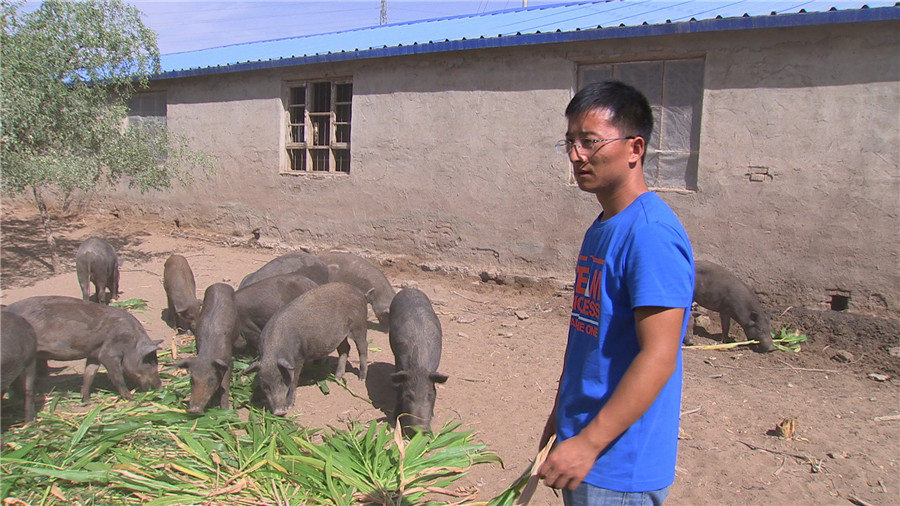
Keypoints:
pixel 619 399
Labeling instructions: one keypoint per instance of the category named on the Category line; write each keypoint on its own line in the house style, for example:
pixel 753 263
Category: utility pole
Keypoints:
pixel 383 20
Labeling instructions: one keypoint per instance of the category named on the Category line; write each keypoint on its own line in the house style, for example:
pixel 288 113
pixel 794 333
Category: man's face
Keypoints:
pixel 598 166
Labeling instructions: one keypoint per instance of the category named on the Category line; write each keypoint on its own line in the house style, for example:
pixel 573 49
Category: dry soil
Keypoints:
pixel 503 347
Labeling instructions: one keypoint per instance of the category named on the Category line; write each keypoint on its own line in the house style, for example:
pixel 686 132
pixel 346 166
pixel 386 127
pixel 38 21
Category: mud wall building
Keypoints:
pixel 777 140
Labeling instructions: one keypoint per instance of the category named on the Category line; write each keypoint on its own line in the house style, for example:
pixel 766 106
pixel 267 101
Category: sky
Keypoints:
pixel 190 25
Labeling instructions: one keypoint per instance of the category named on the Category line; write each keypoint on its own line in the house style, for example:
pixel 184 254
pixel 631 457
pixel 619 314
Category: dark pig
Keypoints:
pixel 96 262
pixel 299 262
pixel 17 349
pixel 216 330
pixel 181 292
pixel 258 302
pixel 309 328
pixel 70 329
pixel 415 337
pixel 367 277
pixel 717 289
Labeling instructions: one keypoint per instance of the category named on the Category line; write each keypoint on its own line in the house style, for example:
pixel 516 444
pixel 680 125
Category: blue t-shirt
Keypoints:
pixel 639 257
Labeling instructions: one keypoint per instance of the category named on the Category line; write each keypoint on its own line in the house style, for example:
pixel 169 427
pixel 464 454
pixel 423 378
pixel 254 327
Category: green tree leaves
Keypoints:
pixel 68 72
pixel 69 69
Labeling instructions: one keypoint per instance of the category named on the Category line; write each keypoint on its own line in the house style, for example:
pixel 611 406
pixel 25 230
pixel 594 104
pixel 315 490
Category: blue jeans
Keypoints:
pixel 589 495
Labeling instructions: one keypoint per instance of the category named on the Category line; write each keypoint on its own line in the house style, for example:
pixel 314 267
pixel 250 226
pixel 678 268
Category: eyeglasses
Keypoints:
pixel 585 145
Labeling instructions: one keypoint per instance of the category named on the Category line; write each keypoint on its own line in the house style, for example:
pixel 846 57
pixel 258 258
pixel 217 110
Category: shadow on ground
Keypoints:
pixel 25 253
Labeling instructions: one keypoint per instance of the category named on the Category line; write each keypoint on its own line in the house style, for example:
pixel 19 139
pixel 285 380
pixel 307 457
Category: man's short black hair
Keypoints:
pixel 629 109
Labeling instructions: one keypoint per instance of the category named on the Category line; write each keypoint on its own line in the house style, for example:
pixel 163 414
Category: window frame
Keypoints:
pixel 140 108
pixel 329 148
pixel 658 172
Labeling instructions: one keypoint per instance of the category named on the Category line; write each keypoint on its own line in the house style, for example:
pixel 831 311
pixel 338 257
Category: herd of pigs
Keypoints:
pixel 295 309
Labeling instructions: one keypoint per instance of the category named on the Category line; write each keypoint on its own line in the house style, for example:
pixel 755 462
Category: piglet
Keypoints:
pixel 216 330
pixel 415 337
pixel 67 328
pixel 309 328
pixel 17 350
pixel 717 289
pixel 96 262
pixel 181 292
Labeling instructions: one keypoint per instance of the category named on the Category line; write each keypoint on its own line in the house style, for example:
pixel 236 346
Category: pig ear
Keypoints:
pixel 220 364
pixel 438 377
pixel 284 364
pixel 370 295
pixel 184 363
pixel 252 367
pixel 756 317
pixel 400 377
pixel 149 348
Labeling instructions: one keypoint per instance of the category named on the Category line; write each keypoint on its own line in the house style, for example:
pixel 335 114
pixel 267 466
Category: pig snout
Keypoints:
pixel 274 382
pixel 148 381
pixel 197 406
pixel 410 424
pixel 202 391
pixel 759 329
pixel 279 401
pixel 765 347
pixel 146 372
pixel 416 393
pixel 765 344
pixel 153 384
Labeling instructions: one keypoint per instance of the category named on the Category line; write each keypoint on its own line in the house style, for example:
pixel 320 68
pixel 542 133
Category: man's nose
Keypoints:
pixel 575 154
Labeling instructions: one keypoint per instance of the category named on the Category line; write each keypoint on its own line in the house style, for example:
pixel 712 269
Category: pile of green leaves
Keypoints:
pixel 785 340
pixel 139 305
pixel 151 451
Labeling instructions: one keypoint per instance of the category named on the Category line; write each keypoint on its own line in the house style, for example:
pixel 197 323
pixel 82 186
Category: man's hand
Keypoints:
pixel 569 462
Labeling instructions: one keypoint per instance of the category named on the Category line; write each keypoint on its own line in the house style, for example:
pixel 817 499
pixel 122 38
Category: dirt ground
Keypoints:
pixel 503 348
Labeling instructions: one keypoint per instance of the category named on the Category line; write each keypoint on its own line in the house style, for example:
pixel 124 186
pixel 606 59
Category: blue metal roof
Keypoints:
pixel 564 22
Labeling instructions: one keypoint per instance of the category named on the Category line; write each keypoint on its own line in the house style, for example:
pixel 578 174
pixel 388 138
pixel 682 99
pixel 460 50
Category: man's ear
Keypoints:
pixel 638 146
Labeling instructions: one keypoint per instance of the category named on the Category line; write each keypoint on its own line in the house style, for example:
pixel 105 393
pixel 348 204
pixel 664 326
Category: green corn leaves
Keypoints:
pixel 785 340
pixel 151 451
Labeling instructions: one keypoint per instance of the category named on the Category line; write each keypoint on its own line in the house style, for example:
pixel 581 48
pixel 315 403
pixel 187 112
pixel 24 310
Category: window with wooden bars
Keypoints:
pixel 318 126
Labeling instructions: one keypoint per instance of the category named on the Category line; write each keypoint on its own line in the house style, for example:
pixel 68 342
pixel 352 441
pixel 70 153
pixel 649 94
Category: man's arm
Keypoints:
pixel 659 337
